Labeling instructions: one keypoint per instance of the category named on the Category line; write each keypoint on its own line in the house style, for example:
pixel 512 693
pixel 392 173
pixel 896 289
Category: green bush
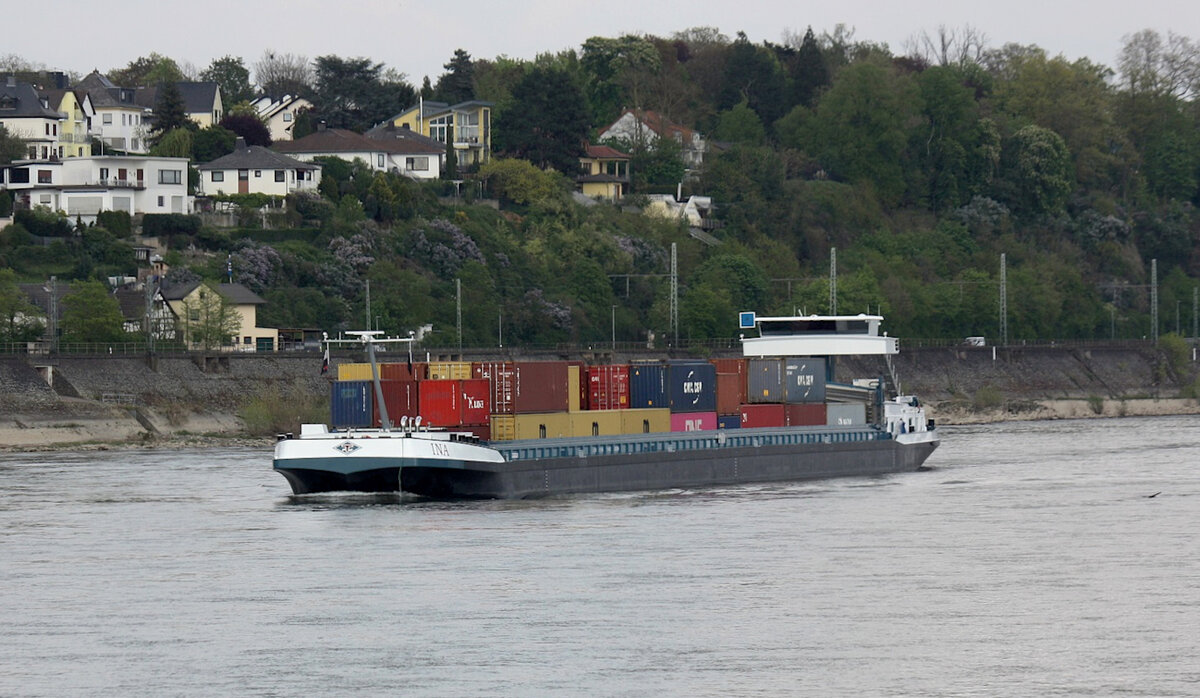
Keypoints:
pixel 166 224
pixel 277 411
pixel 988 397
pixel 119 223
pixel 45 223
pixel 6 202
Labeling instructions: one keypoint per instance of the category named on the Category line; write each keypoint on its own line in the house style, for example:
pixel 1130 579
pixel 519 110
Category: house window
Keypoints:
pixel 107 119
pixel 287 116
pixel 124 119
pixel 278 175
pixel 437 128
pixel 246 340
pixel 170 177
pixel 194 315
pixel 44 177
pixel 218 176
pixel 258 173
pixel 160 202
pixel 418 164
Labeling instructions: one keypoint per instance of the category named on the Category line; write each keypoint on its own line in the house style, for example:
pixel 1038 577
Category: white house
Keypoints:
pixel 24 114
pixel 84 186
pixel 280 114
pixel 416 156
pixel 120 122
pixel 257 170
pixel 645 126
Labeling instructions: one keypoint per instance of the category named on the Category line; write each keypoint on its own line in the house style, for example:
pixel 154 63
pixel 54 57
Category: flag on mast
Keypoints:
pixel 325 361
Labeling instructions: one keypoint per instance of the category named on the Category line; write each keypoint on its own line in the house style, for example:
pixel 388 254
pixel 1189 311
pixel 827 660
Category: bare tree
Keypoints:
pixel 12 63
pixel 948 46
pixel 1150 65
pixel 279 74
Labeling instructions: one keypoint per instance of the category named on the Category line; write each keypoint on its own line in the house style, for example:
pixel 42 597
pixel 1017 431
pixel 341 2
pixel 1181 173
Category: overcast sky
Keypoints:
pixel 417 38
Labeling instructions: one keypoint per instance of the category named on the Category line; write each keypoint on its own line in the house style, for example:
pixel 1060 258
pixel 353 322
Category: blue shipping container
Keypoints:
pixel 729 421
pixel 351 404
pixel 692 386
pixel 647 386
pixel 804 380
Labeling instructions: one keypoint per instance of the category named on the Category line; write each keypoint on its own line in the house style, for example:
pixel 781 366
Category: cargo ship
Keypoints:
pixel 514 430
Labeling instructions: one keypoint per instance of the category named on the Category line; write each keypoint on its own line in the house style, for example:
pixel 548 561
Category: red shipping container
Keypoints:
pixel 475 404
pixel 729 365
pixel 441 403
pixel 608 387
pixel 762 415
pixel 402 371
pixel 805 415
pixel 540 386
pixel 693 421
pixel 401 399
pixel 731 393
pixel 501 379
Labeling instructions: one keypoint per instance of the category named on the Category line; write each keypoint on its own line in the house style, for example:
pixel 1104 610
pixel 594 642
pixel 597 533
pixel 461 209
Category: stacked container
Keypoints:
pixel 803 380
pixel 607 387
pixel 351 404
pixel 647 385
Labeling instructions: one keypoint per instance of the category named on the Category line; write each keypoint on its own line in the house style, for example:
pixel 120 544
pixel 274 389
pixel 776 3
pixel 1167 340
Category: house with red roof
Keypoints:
pixel 644 126
pixel 604 173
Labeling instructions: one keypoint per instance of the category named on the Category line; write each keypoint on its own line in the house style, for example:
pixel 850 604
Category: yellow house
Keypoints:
pixel 220 317
pixel 604 173
pixel 74 136
pixel 468 123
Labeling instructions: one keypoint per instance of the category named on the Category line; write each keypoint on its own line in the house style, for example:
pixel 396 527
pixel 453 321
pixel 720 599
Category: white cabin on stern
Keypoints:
pixel 816 335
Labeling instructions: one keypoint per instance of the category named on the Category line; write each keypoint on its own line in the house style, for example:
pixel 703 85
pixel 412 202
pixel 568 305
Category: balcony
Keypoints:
pixel 114 183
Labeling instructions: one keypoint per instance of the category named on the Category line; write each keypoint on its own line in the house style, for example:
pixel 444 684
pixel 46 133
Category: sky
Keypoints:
pixel 417 38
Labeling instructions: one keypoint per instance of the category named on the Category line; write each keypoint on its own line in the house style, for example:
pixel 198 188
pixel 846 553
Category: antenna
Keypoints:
pixel 1154 300
pixel 1003 299
pixel 833 281
pixel 674 295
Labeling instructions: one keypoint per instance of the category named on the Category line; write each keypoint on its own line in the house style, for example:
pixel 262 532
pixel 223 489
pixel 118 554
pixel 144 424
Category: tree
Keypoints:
pixel 176 143
pixel 808 71
pixel 1038 165
pixel 753 75
pixel 519 181
pixel 355 93
pixel 458 83
pixel 232 76
pixel 18 321
pixel 11 146
pixel 280 74
pixel 548 124
pixel 212 142
pixel 147 70
pixel 958 151
pixel 169 111
pixel 209 320
pixel 740 125
pixel 91 314
pixel 618 71
pixel 248 126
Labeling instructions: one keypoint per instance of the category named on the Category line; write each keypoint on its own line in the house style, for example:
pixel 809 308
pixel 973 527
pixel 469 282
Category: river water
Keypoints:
pixel 1031 559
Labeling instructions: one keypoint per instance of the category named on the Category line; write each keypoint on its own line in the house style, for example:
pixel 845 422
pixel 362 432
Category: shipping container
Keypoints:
pixel 731 393
pixel 503 427
pixel 475 404
pixel 500 377
pixel 354 372
pixel 481 431
pixel 550 425
pixel 608 387
pixel 804 380
pixel 693 421
pixel 440 403
pixel 449 370
pixel 401 399
pixel 575 387
pixel 764 380
pixel 648 386
pixel 762 415
pixel 540 386
pixel 729 365
pixel 403 371
pixel 596 423
pixel 846 414
pixel 351 404
pixel 645 421
pixel 803 415
pixel 692 386
pixel 729 421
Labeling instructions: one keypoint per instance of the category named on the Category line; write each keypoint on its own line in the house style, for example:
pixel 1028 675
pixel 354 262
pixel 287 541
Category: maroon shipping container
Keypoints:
pixel 757 416
pixel 540 386
pixel 475 403
pixel 608 387
pixel 731 393
pixel 401 398
pixel 402 372
pixel 729 365
pixel 441 403
pixel 501 380
pixel 805 415
pixel 481 431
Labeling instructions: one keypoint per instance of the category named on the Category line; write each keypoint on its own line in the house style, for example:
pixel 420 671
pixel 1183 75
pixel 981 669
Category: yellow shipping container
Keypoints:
pixel 574 391
pixel 596 423
pixel 504 427
pixel 354 372
pixel 450 370
pixel 645 421
pixel 548 425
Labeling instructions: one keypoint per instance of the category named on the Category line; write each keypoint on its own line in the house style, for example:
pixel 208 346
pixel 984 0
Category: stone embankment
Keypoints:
pixel 99 402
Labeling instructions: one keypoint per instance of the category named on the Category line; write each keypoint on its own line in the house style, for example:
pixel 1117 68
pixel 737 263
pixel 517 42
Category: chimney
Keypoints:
pixel 239 144
pixel 12 80
pixel 321 126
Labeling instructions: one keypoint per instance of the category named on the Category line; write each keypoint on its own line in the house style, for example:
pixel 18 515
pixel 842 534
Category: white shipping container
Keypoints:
pixel 845 414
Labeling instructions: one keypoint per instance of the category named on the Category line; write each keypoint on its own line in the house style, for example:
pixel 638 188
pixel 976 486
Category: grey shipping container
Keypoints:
pixel 846 414
pixel 764 381
pixel 803 380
